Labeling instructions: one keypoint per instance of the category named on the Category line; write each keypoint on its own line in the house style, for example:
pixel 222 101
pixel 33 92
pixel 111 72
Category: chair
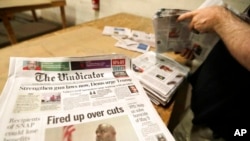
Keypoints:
pixel 7 11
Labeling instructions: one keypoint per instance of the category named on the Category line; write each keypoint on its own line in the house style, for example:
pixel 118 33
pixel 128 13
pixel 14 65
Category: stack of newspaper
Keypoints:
pixel 160 75
pixel 68 99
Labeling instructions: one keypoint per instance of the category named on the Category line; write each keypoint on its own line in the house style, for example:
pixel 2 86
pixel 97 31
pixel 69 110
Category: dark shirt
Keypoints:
pixel 221 87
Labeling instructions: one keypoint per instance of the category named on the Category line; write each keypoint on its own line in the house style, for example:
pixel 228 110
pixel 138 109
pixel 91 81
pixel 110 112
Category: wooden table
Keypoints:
pixel 80 40
pixel 6 12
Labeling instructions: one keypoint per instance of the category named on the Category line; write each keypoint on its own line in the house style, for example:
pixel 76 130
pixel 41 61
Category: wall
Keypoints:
pixel 79 11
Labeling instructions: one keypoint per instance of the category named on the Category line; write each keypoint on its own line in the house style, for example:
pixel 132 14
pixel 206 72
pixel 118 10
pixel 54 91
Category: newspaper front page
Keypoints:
pixel 74 99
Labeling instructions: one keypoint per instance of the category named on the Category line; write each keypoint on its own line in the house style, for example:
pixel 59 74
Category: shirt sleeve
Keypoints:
pixel 246 15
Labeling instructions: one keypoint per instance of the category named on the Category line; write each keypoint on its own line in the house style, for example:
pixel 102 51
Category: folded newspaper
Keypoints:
pixel 72 99
pixel 174 36
pixel 159 75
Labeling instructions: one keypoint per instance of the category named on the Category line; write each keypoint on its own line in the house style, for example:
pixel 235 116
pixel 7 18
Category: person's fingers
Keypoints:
pixel 191 25
pixel 185 16
pixel 189 15
pixel 197 25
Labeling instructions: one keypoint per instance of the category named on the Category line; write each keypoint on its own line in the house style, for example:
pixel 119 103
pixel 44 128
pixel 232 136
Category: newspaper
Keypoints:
pixel 129 39
pixel 72 98
pixel 175 36
pixel 132 45
pixel 160 75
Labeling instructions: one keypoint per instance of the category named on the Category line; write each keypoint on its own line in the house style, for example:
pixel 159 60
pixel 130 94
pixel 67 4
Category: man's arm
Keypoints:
pixel 233 31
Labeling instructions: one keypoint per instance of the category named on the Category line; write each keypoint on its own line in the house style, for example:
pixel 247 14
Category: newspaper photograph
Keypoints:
pixel 75 99
pixel 160 75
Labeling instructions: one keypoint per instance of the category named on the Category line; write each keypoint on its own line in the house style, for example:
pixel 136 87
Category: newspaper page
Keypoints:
pixel 160 75
pixel 129 39
pixel 175 36
pixel 77 98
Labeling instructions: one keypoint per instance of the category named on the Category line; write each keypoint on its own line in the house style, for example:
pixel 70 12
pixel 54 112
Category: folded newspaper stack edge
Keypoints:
pixel 159 75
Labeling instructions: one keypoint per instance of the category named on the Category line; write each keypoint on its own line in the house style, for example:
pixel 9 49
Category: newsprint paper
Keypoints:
pixel 171 35
pixel 77 99
pixel 159 75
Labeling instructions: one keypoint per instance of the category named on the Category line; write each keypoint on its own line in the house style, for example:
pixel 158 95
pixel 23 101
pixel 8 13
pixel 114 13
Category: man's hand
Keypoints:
pixel 204 20
pixel 232 30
